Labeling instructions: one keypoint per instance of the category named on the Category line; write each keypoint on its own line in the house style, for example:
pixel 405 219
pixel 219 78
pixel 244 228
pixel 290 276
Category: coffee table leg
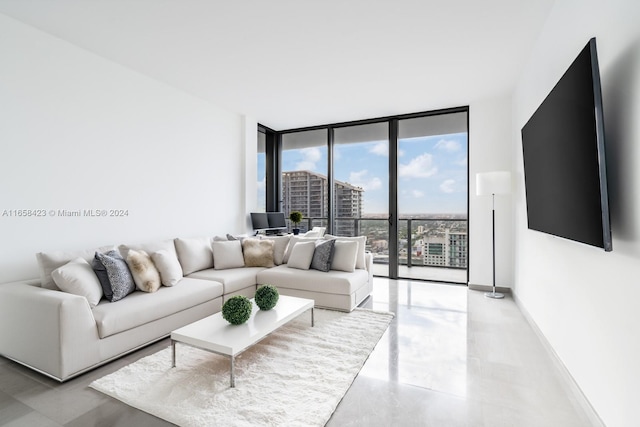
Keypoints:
pixel 312 318
pixel 233 379
pixel 173 354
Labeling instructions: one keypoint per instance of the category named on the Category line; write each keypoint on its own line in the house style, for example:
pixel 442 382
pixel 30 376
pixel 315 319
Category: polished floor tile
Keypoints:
pixel 449 358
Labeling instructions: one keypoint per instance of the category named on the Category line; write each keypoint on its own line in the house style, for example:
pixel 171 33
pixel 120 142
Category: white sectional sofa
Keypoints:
pixel 61 335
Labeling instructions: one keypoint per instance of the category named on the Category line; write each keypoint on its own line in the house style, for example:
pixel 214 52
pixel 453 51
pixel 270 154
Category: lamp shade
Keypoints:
pixel 488 183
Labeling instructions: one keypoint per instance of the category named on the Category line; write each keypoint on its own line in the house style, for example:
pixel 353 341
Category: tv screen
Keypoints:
pixel 259 220
pixel 276 220
pixel 564 158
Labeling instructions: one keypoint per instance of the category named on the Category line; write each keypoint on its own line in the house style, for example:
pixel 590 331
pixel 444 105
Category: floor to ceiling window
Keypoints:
pixel 304 177
pixel 401 181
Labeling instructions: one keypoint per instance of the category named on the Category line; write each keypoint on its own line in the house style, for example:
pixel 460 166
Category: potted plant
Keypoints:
pixel 295 217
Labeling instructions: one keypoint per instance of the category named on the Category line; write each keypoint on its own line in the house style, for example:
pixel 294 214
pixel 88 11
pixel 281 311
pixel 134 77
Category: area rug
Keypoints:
pixel 294 377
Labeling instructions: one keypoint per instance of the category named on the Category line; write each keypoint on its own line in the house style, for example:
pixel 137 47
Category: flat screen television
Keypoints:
pixel 564 158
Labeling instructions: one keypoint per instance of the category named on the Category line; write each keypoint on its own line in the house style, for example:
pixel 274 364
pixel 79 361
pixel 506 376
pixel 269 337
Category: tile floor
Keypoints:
pixel 450 358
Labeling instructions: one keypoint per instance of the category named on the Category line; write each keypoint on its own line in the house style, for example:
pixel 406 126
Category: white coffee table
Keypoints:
pixel 216 335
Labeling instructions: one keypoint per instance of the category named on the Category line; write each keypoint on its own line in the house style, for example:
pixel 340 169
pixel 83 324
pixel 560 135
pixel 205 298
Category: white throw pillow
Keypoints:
pixel 279 247
pixel 49 261
pixel 362 243
pixel 227 254
pixel 194 254
pixel 292 242
pixel 144 272
pixel 301 255
pixel 77 277
pixel 168 266
pixel 344 255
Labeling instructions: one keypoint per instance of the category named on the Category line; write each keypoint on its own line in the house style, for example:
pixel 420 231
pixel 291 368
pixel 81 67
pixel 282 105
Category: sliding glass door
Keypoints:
pixel 432 198
pixel 401 181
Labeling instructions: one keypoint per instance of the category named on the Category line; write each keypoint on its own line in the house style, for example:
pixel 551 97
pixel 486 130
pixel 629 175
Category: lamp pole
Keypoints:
pixel 494 294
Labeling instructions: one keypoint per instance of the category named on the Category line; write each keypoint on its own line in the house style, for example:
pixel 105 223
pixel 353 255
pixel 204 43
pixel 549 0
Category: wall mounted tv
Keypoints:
pixel 564 158
pixel 268 221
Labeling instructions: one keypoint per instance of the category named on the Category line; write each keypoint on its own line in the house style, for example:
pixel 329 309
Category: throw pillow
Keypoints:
pixel 77 277
pixel 194 254
pixel 301 255
pixel 49 261
pixel 362 242
pixel 323 255
pixel 122 283
pixel 345 255
pixel 227 254
pixel 168 266
pixel 279 247
pixel 103 277
pixel 258 253
pixel 292 242
pixel 144 272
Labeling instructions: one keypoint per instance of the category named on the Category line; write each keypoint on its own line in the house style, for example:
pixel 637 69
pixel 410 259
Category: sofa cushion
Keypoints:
pixel 332 282
pixel 301 255
pixel 362 242
pixel 168 266
pixel 227 254
pixel 280 244
pixel 145 274
pixel 194 254
pixel 344 255
pixel 140 308
pixel 77 277
pixel 49 261
pixel 233 279
pixel 257 252
pixel 120 278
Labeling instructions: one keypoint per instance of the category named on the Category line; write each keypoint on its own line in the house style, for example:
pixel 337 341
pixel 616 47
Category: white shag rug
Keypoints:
pixel 294 377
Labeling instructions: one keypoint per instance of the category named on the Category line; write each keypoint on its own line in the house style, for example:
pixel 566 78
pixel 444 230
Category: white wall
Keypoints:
pixel 490 141
pixel 80 132
pixel 585 301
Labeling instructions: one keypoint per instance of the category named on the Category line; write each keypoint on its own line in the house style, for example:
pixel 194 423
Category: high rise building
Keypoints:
pixel 307 192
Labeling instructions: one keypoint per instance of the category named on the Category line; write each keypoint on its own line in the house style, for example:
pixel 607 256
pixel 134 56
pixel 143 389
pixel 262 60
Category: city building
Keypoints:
pixel 307 192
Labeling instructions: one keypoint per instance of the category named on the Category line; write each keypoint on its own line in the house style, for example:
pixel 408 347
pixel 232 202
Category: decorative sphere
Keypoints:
pixel 237 310
pixel 267 297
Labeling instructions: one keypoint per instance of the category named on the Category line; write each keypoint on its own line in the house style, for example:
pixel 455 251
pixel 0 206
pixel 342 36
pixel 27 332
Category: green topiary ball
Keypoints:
pixel 237 310
pixel 267 297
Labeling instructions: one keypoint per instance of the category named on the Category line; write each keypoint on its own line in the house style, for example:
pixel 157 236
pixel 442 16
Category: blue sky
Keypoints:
pixel 432 172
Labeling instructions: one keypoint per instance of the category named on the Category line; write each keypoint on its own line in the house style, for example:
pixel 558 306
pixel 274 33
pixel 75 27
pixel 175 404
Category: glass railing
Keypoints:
pixel 423 242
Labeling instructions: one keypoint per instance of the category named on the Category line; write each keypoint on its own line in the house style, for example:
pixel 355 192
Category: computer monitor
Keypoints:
pixel 276 220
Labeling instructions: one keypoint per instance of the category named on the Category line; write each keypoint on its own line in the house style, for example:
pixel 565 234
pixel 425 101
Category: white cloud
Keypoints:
pixel 448 186
pixel 419 167
pixel 310 156
pixel 461 162
pixel 448 145
pixel 417 194
pixel 262 184
pixel 361 179
pixel 381 149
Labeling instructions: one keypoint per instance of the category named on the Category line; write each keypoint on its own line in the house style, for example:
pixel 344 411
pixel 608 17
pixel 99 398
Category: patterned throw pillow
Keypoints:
pixel 323 255
pixel 120 278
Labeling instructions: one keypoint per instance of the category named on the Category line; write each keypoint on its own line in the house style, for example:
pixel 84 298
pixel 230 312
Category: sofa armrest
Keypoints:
pixel 368 265
pixel 51 331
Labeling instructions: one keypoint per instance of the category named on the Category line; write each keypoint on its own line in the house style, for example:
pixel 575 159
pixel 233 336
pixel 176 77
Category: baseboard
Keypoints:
pixel 488 288
pixel 572 386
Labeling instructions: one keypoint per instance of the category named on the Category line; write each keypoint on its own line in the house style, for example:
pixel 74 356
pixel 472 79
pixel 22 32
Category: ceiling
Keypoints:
pixel 296 63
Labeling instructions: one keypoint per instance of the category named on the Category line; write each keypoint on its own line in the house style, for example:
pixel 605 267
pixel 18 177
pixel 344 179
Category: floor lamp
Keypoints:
pixel 492 183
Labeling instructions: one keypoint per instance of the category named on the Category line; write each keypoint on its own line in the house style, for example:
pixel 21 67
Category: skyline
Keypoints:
pixel 432 172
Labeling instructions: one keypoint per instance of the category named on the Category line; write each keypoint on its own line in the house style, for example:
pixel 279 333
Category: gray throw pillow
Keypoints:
pixel 120 278
pixel 323 255
pixel 103 277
